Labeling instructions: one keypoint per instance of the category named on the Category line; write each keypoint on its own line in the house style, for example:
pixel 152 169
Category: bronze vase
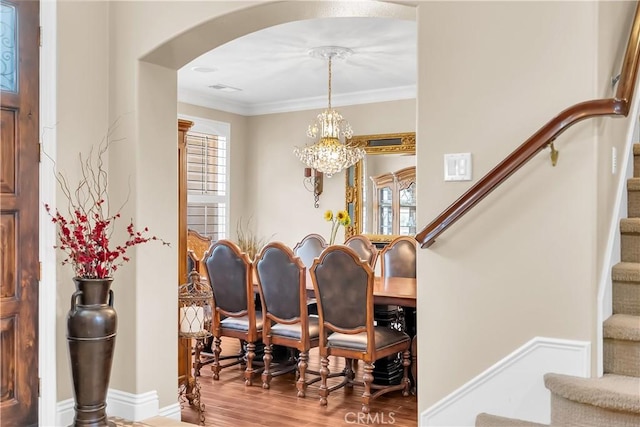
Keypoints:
pixel 91 334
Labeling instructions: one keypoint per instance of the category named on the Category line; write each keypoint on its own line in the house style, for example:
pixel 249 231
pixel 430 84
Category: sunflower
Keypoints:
pixel 328 216
pixel 343 218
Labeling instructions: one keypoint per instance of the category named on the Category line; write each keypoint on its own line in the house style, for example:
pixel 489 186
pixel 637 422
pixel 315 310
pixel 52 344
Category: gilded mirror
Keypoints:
pixel 381 187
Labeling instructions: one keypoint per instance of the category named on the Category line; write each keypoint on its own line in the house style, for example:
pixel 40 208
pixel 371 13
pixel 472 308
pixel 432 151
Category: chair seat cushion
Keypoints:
pixel 294 331
pixel 385 337
pixel 241 323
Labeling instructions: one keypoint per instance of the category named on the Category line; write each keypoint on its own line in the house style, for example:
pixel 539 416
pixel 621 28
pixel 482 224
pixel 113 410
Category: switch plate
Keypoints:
pixel 457 167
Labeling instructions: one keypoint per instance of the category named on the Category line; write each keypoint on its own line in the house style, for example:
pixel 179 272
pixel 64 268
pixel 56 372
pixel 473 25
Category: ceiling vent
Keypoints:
pixel 225 88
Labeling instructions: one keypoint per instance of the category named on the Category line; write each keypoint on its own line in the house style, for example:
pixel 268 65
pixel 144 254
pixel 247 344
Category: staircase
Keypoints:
pixel 612 400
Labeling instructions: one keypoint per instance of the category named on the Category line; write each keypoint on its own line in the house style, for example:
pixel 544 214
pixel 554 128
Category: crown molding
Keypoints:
pixel 338 100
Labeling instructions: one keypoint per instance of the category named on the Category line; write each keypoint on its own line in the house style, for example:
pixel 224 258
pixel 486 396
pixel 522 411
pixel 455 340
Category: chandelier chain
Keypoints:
pixel 329 82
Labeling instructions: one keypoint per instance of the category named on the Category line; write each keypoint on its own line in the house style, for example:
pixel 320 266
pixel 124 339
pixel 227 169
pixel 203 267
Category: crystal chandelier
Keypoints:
pixel 332 152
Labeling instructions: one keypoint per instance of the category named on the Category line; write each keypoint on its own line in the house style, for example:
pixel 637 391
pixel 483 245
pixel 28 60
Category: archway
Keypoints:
pixel 156 102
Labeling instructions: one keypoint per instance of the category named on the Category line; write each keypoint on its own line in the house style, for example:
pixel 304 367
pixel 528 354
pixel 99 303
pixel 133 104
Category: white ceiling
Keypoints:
pixel 275 73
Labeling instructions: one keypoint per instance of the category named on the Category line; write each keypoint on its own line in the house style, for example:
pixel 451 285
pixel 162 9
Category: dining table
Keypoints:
pixel 400 291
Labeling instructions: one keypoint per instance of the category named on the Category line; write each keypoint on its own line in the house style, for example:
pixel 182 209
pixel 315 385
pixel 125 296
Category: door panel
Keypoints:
pixel 19 163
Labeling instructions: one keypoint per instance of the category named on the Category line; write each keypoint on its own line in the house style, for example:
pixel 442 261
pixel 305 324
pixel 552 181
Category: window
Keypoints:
pixel 207 180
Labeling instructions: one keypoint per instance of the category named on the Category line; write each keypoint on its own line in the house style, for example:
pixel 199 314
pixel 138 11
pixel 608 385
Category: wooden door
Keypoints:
pixel 19 158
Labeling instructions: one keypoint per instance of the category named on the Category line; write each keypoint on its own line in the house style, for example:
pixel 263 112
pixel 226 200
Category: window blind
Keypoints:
pixel 207 184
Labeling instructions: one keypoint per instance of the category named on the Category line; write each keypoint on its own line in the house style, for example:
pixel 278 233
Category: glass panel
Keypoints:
pixel 408 196
pixel 386 220
pixel 8 62
pixel 407 220
pixel 350 176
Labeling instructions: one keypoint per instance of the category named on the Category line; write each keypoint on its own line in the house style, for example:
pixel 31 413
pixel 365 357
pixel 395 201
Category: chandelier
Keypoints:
pixel 333 152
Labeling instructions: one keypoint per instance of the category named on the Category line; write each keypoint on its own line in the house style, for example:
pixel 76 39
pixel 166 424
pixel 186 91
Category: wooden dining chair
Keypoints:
pixel 309 248
pixel 197 246
pixel 398 258
pixel 283 291
pixel 344 289
pixel 364 248
pixel 230 274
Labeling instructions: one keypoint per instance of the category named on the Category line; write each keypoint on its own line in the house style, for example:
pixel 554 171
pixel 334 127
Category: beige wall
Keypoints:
pixel 490 74
pixel 540 239
pixel 277 198
pixel 82 113
pixel 522 263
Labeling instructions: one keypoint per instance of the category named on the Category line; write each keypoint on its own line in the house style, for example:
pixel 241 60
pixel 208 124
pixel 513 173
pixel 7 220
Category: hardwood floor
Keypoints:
pixel 229 403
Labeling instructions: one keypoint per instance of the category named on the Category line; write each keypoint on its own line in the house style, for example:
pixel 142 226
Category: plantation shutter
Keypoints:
pixel 206 184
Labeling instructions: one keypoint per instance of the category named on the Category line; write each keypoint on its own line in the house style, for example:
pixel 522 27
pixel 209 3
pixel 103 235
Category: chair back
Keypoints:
pixel 344 289
pixel 310 248
pixel 364 248
pixel 398 258
pixel 193 263
pixel 281 282
pixel 197 245
pixel 230 275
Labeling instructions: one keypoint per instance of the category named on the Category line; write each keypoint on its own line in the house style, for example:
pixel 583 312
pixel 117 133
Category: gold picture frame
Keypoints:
pixel 389 143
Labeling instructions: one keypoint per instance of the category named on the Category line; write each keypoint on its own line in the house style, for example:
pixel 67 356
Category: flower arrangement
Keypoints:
pixel 340 218
pixel 248 240
pixel 85 232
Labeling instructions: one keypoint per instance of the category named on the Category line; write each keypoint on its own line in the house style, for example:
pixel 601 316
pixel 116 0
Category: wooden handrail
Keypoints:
pixel 618 106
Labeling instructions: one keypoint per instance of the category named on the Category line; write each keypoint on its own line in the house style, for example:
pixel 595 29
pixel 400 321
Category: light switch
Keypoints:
pixel 457 167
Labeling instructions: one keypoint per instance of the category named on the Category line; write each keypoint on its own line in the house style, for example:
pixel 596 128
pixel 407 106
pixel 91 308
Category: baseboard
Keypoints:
pixel 171 411
pixel 513 387
pixel 65 412
pixel 133 407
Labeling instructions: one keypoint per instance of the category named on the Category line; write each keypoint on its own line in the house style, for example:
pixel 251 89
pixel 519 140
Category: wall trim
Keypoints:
pixel 132 407
pixel 193 97
pixel 172 411
pixel 47 298
pixel 513 387
pixel 64 413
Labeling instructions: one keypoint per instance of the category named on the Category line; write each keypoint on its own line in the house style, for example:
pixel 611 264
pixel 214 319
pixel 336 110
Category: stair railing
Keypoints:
pixel 618 106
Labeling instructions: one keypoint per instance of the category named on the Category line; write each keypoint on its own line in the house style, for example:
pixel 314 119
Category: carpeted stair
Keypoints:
pixel 612 400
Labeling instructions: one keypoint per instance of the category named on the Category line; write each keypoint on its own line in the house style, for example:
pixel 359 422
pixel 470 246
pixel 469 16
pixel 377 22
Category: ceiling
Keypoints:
pixel 275 73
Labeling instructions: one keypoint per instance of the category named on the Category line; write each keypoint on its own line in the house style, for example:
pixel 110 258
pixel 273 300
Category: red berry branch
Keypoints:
pixel 85 233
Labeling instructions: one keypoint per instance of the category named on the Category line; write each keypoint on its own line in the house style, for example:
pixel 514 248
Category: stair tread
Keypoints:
pixel 622 327
pixel 615 392
pixel 636 149
pixel 626 272
pixel 489 420
pixel 630 225
pixel 633 184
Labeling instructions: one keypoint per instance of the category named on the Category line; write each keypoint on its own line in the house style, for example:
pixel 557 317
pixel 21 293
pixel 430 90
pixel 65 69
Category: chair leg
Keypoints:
pixel 266 374
pixel 368 379
pixel 349 371
pixel 302 369
pixel 215 367
pixel 324 374
pixel 406 362
pixel 248 372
